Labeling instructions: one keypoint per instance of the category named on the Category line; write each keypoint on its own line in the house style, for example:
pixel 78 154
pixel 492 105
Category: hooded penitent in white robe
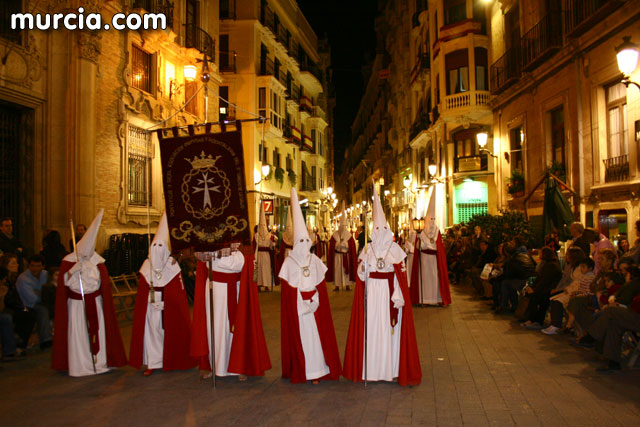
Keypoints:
pixel 265 245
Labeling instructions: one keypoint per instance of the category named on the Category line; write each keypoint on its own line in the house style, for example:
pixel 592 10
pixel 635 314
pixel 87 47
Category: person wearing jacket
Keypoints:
pixel 548 277
pixel 517 269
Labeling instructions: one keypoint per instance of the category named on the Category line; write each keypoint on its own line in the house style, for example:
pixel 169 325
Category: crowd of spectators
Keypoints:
pixel 586 288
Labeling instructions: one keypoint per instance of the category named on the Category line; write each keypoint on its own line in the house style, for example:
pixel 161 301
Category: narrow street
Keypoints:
pixel 478 369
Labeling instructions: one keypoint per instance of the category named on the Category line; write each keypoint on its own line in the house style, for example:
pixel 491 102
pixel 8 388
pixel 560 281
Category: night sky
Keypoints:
pixel 349 25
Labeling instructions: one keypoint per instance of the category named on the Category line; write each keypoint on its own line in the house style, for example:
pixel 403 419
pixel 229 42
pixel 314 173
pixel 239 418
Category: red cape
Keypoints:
pixel 176 320
pixel 293 364
pixel 410 372
pixel 249 355
pixel 443 272
pixel 352 260
pixel 319 247
pixel 116 355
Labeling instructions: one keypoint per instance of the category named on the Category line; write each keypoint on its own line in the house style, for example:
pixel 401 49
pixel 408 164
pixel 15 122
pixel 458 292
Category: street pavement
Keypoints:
pixel 478 369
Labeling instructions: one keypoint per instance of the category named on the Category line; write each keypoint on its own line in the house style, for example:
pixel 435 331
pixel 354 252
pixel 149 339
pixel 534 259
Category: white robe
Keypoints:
pixel 429 271
pixel 222 334
pixel 340 275
pixel 78 340
pixel 315 364
pixel 264 261
pixel 383 341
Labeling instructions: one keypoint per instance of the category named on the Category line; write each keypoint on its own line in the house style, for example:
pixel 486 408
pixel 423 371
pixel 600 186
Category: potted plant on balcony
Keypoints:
pixel 279 174
pixel 516 183
pixel 292 177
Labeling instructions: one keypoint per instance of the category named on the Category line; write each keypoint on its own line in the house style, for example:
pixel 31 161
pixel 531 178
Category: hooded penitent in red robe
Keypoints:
pixel 293 361
pixel 249 355
pixel 443 272
pixel 350 256
pixel 116 355
pixel 410 372
pixel 176 322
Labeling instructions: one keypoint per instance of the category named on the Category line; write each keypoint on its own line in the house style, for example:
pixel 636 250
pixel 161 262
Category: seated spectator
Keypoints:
pixel 7 337
pixel 562 292
pixel 518 268
pixel 548 277
pixel 552 240
pixel 29 286
pixel 23 320
pixel 52 250
pixel 486 256
pixel 8 242
pixel 496 276
pixel 613 281
pixel 577 230
pixel 582 304
pixel 623 247
pixel 600 242
pixel 580 297
pixel 520 242
pixel 624 264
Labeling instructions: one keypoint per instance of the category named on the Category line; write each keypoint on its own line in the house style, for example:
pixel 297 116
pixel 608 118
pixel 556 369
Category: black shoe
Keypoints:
pixel 45 345
pixel 609 367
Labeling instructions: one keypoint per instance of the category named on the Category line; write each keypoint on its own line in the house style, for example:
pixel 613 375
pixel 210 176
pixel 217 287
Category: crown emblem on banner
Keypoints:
pixel 203 161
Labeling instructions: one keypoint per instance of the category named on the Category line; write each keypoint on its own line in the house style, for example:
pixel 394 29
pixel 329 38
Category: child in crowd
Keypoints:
pixel 584 286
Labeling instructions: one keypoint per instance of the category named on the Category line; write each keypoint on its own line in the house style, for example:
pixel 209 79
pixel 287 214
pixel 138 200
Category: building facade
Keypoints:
pixel 273 64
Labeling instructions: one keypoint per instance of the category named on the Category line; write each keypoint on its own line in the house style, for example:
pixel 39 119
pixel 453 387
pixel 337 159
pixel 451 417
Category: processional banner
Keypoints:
pixel 204 189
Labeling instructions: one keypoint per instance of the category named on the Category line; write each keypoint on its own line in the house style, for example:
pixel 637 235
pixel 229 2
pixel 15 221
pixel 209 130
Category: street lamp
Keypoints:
pixel 264 170
pixel 482 137
pixel 627 56
pixel 432 170
pixel 330 190
pixel 406 181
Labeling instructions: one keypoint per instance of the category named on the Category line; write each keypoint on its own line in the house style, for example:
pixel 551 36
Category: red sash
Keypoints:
pixel 393 312
pixel 231 279
pixel 92 316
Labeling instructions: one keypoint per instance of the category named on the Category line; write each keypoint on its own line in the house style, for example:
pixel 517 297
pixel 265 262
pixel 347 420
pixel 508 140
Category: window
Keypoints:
pixel 617 130
pixel 289 162
pixel 141 69
pixel 457 64
pixel 313 178
pixel 516 157
pixel 140 156
pixel 466 154
pixel 456 11
pixel 276 157
pixel 482 82
pixel 190 88
pixel 437 90
pixel 512 26
pixel 8 8
pixel 262 102
pixel 225 55
pixel 276 110
pixel 557 135
pixel 320 143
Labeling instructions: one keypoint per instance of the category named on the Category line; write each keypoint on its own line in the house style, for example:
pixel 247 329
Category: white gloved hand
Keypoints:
pixel 75 269
pixel 158 305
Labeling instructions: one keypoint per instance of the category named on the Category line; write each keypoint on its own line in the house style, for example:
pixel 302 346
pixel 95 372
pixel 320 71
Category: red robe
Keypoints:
pixel 249 355
pixel 293 363
pixel 116 356
pixel 410 372
pixel 352 255
pixel 443 272
pixel 320 250
pixel 176 322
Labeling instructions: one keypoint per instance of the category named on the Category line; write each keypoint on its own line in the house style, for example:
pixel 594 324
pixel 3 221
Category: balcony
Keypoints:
pixel 267 67
pixel 477 98
pixel 505 71
pixel 422 64
pixel 307 145
pixel 228 62
pixel 293 92
pixel 471 163
pixel 199 39
pixel 306 105
pixel 421 123
pixel 318 112
pixel 157 6
pixel 312 68
pixel 267 18
pixel 580 15
pixel 541 41
pixel 227 9
pixel 616 169
pixel 291 134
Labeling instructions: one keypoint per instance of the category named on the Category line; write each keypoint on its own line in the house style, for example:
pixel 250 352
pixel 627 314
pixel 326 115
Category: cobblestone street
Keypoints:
pixel 478 369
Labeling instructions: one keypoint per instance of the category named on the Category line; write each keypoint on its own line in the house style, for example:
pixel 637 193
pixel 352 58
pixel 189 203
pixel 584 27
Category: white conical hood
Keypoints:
pixel 87 245
pixel 301 241
pixel 381 235
pixel 431 210
pixel 430 227
pixel 288 232
pixel 159 251
pixel 262 225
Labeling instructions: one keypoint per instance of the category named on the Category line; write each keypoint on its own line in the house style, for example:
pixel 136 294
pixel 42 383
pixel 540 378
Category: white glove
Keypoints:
pixel 76 268
pixel 158 305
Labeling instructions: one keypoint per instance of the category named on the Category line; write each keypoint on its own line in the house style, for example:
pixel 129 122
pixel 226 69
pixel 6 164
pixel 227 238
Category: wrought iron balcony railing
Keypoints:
pixel 506 70
pixel 199 39
pixel 616 168
pixel 228 62
pixel 541 41
pixel 580 14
